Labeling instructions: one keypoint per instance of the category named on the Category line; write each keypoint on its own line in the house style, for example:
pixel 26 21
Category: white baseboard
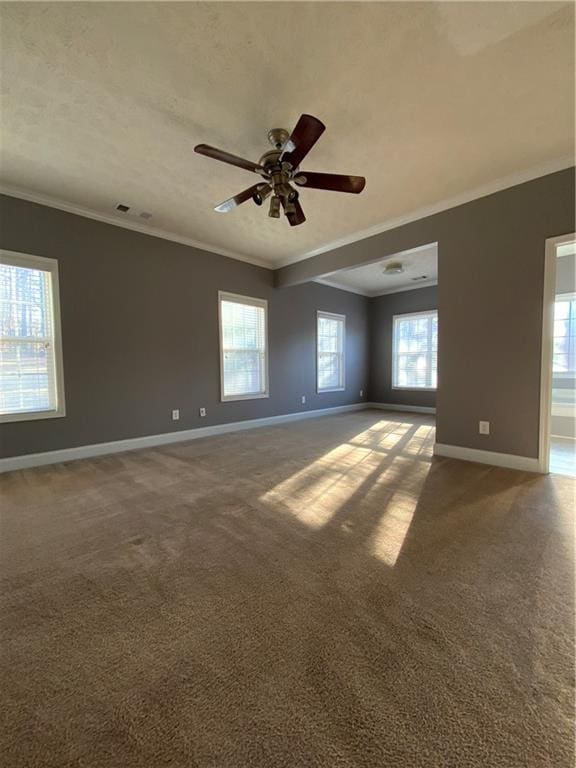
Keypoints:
pixel 396 407
pixel 507 460
pixel 149 441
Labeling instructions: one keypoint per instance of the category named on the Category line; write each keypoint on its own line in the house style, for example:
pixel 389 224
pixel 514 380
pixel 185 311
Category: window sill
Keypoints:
pixel 9 418
pixel 336 389
pixel 417 389
pixel 235 398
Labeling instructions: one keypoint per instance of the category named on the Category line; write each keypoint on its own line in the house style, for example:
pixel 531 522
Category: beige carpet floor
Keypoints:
pixel 320 594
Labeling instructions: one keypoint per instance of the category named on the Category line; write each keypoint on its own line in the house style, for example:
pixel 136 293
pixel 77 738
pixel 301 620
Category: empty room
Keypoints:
pixel 287 384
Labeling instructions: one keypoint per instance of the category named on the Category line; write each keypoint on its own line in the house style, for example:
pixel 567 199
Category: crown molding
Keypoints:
pixel 505 182
pixel 537 171
pixel 403 288
pixel 375 294
pixel 135 226
pixel 347 288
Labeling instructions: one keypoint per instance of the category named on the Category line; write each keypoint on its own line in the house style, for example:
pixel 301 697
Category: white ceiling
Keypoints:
pixel 103 103
pixel 370 280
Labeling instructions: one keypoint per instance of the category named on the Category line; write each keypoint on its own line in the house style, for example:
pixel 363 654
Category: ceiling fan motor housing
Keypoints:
pixel 270 158
pixel 278 173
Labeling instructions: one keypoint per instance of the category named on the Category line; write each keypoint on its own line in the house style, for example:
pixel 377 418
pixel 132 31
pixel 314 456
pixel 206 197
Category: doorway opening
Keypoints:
pixel 558 403
pixel 403 291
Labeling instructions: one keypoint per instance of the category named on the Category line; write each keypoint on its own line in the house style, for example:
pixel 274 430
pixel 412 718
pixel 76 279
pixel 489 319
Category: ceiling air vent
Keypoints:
pixel 132 213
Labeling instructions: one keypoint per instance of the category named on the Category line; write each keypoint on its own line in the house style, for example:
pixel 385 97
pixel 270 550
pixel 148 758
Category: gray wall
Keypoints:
pixel 382 310
pixel 156 346
pixel 140 332
pixel 491 266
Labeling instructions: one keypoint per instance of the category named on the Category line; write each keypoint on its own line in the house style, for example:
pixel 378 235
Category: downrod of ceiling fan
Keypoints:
pixel 278 137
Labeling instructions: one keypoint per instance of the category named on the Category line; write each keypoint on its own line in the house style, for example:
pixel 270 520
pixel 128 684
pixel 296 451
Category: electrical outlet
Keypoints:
pixel 484 427
pixel 202 412
pixel 361 393
pixel 303 399
pixel 175 415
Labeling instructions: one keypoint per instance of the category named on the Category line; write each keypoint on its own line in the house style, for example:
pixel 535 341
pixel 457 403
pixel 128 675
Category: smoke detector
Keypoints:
pixel 393 268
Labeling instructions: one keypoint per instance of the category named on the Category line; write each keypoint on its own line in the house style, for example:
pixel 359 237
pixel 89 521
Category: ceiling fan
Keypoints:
pixel 280 167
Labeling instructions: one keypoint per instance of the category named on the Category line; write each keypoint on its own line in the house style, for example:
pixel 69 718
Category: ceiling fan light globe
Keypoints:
pixel 274 211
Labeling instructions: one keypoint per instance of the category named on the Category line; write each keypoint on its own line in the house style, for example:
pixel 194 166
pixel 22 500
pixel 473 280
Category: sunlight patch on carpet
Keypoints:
pixel 358 470
pixel 393 527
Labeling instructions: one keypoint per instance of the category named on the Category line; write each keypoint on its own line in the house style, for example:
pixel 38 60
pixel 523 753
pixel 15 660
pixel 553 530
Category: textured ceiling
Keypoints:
pixel 370 279
pixel 104 103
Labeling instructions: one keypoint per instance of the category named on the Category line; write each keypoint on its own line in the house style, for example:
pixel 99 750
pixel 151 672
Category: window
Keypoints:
pixel 564 354
pixel 31 379
pixel 243 347
pixel 330 335
pixel 414 353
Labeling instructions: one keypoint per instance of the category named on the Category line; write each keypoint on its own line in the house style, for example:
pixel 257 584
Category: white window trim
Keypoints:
pixel 332 316
pixel 405 316
pixel 549 295
pixel 253 302
pixel 15 259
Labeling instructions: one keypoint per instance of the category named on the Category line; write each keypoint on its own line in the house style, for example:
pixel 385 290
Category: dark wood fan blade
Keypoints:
pixel 332 181
pixel 241 197
pixel 226 157
pixel 306 133
pixel 297 215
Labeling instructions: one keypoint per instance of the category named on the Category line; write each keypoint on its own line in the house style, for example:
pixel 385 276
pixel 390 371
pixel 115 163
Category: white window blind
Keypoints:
pixel 243 347
pixel 330 342
pixel 30 354
pixel 415 351
pixel 564 354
